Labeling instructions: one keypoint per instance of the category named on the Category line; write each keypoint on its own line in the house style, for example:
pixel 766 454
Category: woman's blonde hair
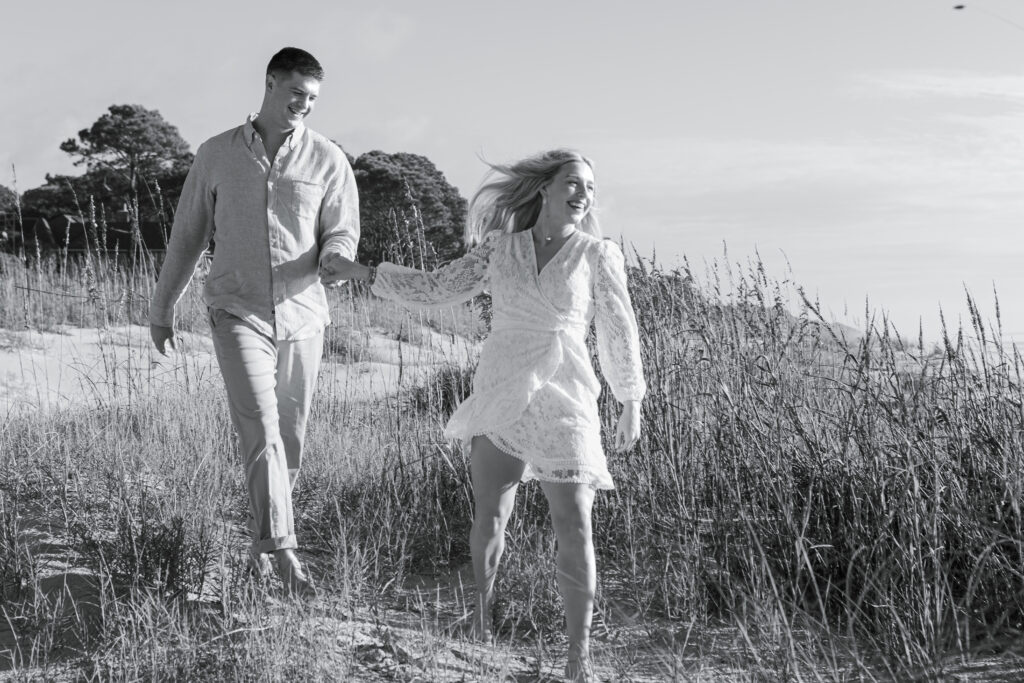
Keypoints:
pixel 512 201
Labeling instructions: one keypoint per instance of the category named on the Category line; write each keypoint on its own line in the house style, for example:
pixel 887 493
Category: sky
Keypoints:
pixel 871 152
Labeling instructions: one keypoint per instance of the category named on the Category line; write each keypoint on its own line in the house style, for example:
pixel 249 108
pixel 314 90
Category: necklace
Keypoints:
pixel 548 239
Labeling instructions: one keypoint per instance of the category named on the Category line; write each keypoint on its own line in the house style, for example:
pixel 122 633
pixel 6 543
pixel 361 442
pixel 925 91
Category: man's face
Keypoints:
pixel 290 97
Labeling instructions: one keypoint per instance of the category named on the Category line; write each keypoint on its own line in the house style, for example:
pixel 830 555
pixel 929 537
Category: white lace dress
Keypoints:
pixel 534 392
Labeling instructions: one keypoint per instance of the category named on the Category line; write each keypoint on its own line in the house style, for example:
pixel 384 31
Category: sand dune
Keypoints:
pixel 68 366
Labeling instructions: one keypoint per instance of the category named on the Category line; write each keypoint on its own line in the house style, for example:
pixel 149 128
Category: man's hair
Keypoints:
pixel 291 59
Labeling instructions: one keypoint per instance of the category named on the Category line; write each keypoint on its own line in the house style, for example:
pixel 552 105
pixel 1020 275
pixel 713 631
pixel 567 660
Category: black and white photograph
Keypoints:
pixel 515 342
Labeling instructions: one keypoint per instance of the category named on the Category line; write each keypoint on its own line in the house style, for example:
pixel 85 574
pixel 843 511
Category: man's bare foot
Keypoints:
pixel 259 564
pixel 295 580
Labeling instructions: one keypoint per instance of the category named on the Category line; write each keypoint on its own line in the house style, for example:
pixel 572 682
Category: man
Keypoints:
pixel 282 203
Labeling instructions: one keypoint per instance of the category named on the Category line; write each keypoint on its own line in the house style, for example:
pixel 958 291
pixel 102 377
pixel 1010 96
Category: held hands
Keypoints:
pixel 161 335
pixel 627 432
pixel 335 269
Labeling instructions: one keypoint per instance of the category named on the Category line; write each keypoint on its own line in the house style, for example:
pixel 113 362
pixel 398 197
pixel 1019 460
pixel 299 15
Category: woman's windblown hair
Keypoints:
pixel 509 199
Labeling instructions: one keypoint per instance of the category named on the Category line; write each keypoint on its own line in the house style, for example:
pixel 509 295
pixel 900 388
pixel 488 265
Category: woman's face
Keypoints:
pixel 570 194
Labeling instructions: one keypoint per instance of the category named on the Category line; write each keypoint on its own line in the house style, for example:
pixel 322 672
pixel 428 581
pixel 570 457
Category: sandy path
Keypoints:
pixel 42 371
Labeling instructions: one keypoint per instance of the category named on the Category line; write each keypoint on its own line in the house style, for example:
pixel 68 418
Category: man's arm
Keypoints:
pixel 190 234
pixel 339 221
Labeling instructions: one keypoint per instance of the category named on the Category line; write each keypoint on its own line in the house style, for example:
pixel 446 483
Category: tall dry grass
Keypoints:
pixel 837 508
pixel 863 489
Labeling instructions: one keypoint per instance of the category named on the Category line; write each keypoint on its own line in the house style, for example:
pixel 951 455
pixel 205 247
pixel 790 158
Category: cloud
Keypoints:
pixel 900 164
pixel 904 192
pixel 381 33
pixel 950 84
pixel 903 187
pixel 894 159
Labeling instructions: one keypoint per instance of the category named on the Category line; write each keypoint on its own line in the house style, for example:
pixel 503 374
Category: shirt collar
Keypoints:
pixel 291 142
pixel 250 130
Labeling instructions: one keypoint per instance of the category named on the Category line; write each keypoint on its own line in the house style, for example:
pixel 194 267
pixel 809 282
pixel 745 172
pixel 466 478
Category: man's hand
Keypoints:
pixel 335 268
pixel 161 335
pixel 627 432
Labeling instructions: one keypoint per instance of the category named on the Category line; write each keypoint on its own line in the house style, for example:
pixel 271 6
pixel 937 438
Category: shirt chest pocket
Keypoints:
pixel 303 197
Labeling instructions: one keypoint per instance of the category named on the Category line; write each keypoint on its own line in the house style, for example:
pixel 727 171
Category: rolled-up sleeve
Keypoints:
pixel 190 235
pixel 339 214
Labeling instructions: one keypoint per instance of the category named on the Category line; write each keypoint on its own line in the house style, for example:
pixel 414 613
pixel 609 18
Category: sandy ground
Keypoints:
pixel 41 371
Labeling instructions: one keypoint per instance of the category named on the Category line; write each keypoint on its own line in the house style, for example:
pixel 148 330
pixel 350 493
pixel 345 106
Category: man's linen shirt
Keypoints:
pixel 271 224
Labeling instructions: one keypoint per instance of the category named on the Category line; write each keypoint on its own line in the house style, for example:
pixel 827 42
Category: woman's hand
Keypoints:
pixel 627 432
pixel 335 269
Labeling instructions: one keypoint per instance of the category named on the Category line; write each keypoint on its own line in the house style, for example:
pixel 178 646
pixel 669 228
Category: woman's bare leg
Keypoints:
pixel 496 476
pixel 570 506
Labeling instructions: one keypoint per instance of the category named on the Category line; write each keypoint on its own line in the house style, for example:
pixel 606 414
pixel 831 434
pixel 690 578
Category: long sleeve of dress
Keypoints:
pixel 618 342
pixel 458 281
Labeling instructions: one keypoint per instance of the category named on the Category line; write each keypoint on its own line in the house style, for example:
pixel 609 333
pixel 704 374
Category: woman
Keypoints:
pixel 533 410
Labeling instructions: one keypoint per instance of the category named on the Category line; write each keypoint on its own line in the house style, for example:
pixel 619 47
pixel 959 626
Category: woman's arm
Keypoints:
pixel 627 431
pixel 458 281
pixel 618 342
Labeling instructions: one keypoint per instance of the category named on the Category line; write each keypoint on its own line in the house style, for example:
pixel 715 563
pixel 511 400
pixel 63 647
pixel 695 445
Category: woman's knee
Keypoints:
pixel 571 514
pixel 491 514
pixel 573 527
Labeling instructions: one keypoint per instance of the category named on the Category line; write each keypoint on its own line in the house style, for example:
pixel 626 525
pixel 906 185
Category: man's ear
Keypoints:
pixel 270 82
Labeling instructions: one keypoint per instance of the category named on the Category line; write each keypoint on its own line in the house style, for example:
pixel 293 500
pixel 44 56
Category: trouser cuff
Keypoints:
pixel 269 545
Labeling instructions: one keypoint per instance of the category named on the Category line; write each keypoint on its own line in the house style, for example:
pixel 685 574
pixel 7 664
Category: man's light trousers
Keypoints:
pixel 270 385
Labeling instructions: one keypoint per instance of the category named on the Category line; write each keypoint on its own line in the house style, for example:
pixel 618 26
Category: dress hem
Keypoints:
pixel 531 472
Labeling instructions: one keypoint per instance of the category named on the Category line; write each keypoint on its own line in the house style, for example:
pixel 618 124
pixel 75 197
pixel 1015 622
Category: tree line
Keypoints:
pixel 135 163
